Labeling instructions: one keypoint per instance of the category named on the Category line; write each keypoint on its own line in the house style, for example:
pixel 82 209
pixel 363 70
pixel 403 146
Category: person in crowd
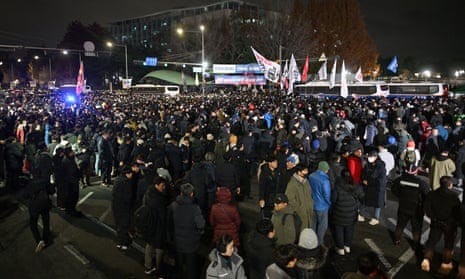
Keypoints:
pixel 335 168
pixel 199 177
pixel 410 155
pixel 14 155
pixel 225 262
pixel 374 180
pixel 155 197
pixel 224 216
pixel 186 225
pixel 355 166
pixel 121 207
pixel 284 265
pixel 345 200
pixel 433 146
pixel 260 246
pixel 368 266
pixel 312 256
pixel 300 195
pixel 388 159
pixel 226 174
pixel 105 155
pixel 321 195
pixel 268 185
pixel 411 191
pixel 440 165
pixel 284 221
pixel 287 170
pixel 71 178
pixel 442 206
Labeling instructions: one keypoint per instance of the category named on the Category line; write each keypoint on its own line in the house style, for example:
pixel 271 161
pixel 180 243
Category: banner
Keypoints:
pixel 305 70
pixel 252 68
pixel 80 79
pixel 294 74
pixel 393 65
pixel 126 83
pixel 323 71
pixel 284 76
pixel 359 75
pixel 240 80
pixel 332 78
pixel 271 69
pixel 344 88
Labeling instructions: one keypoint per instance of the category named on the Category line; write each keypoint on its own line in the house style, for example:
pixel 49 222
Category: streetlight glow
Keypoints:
pixel 19 60
pixel 36 57
pixel 65 52
pixel 180 31
pixel 110 44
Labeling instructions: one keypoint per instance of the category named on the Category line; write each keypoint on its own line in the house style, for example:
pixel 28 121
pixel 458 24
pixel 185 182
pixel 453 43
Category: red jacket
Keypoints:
pixel 354 164
pixel 224 216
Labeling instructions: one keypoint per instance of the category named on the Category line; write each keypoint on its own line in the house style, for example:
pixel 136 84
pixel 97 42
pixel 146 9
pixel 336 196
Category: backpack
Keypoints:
pixel 297 224
pixel 410 158
pixel 144 219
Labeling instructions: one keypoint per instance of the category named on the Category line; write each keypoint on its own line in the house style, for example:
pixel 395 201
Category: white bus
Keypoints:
pixel 422 89
pixel 321 89
pixel 152 89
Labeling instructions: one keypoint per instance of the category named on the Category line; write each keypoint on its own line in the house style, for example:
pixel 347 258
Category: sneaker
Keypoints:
pixel 425 265
pixel 346 250
pixel 361 218
pixel 122 247
pixel 150 271
pixel 373 222
pixel 340 252
pixel 40 246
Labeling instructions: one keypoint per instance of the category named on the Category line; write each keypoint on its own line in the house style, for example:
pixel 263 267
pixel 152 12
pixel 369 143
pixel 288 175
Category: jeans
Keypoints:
pixel 343 235
pixel 320 224
pixel 150 253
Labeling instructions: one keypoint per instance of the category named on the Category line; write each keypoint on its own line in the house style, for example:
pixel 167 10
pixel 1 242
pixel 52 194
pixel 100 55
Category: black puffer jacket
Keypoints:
pixel 259 253
pixel 157 202
pixel 345 202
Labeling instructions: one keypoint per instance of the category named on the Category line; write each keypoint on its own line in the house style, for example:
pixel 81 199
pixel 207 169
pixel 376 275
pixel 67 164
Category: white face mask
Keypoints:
pixel 371 159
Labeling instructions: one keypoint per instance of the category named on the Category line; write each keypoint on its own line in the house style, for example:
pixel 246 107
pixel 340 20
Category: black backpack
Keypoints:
pixel 297 224
pixel 145 219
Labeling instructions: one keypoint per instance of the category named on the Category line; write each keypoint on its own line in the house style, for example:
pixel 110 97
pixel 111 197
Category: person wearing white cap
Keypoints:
pixel 312 256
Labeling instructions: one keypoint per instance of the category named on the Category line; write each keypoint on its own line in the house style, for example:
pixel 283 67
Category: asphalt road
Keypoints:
pixel 85 247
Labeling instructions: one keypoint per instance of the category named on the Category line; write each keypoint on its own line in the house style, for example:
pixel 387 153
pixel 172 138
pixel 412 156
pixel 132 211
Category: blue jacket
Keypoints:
pixel 321 190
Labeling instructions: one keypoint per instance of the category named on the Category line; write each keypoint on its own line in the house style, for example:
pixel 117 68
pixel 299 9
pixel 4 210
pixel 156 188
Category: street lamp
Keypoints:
pixel 110 44
pixel 180 31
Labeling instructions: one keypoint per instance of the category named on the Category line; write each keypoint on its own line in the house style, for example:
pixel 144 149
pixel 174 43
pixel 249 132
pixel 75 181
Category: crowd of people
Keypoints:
pixel 178 167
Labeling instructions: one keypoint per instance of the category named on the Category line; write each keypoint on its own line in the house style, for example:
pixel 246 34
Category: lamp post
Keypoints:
pixel 110 44
pixel 180 31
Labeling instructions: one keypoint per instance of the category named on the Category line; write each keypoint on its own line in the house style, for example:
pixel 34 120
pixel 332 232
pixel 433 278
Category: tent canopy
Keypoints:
pixel 167 77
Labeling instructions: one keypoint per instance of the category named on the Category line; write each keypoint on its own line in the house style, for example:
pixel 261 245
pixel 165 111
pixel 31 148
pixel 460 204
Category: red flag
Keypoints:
pixel 80 79
pixel 305 70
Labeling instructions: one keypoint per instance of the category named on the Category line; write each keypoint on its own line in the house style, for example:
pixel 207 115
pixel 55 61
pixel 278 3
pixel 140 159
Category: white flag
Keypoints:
pixel 271 69
pixel 359 75
pixel 284 77
pixel 294 74
pixel 332 78
pixel 323 71
pixel 344 89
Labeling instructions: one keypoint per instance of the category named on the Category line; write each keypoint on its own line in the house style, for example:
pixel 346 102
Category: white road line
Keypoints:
pixel 105 214
pixel 85 198
pixel 378 251
pixel 406 231
pixel 73 251
pixel 403 259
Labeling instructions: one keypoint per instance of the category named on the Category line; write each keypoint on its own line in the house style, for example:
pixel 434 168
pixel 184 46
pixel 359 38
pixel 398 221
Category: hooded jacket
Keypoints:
pixel 218 267
pixel 224 217
pixel 440 166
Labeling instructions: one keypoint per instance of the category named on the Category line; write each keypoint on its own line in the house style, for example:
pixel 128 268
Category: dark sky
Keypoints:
pixel 427 29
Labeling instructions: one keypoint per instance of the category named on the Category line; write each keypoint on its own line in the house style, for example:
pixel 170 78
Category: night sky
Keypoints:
pixel 426 29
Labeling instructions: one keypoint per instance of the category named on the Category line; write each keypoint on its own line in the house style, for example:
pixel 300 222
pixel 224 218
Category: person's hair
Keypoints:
pixel 264 226
pixel 347 177
pixel 158 180
pixel 284 254
pixel 222 242
pixel 334 157
pixel 445 181
pixel 367 263
pixel 187 189
pixel 300 167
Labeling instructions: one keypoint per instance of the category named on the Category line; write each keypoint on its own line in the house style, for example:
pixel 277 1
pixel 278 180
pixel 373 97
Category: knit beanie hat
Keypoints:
pixel 308 239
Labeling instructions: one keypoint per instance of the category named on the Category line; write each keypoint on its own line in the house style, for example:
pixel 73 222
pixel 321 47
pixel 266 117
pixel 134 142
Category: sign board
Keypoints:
pixel 197 69
pixel 252 68
pixel 32 83
pixel 126 83
pixel 151 61
pixel 89 49
pixel 240 80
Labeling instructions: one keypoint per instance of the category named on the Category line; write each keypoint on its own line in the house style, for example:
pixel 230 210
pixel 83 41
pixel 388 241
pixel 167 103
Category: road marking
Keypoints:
pixel 105 214
pixel 406 231
pixel 378 251
pixel 85 198
pixel 73 251
pixel 403 259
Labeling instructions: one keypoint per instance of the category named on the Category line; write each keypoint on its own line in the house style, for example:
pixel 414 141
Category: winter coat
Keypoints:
pixel 375 175
pixel 321 190
pixel 440 166
pixel 199 178
pixel 157 201
pixel 459 161
pixel 226 176
pixel 300 198
pixel 173 154
pixel 224 217
pixel 345 203
pixel 186 224
pixel 310 260
pixel 442 206
pixel 13 156
pixel 268 184
pixel 105 150
pixel 37 194
pixel 260 254
pixel 411 191
pixel 354 164
pixel 285 231
pixel 218 267
pixel 273 271
pixel 122 198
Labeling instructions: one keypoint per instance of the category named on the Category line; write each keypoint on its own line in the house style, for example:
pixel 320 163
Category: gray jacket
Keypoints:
pixel 217 270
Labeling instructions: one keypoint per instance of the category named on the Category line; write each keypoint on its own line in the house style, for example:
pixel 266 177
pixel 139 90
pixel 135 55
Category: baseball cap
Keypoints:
pixel 280 198
pixel 293 158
